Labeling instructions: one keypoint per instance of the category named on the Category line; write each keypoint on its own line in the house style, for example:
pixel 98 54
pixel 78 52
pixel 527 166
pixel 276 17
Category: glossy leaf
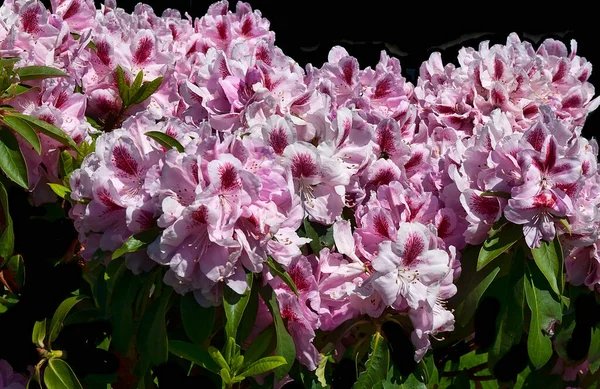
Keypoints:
pixel 137 82
pixel 12 162
pixel 539 345
pixel 218 358
pixel 59 375
pixel 277 270
pixel 377 365
pixel 285 344
pixel 509 292
pixel 197 321
pixel 165 140
pixel 152 335
pixel 262 345
pixel 549 259
pixel 60 315
pixel 60 190
pixel 263 365
pixel 39 333
pixel 472 285
pixel 67 163
pixel 47 129
pixel 23 128
pixel 122 86
pixel 146 91
pixel 7 237
pixel 8 62
pixel 125 290
pixel 315 243
pixel 194 353
pixel 234 306
pixel 498 243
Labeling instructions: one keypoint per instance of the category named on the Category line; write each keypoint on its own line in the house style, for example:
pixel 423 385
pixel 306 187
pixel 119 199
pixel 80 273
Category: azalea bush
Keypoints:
pixel 211 212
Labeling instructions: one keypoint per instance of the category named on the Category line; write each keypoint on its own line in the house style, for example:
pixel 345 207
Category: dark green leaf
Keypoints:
pixel 60 315
pixel 23 128
pixel 194 353
pixel 564 335
pixel 548 257
pixel 59 375
pixel 234 306
pixel 16 90
pixel 278 270
pixel 17 266
pixel 285 344
pixel 377 365
pixel 247 324
pixel 39 333
pixel 263 365
pixel 47 129
pixel 262 345
pixel 152 335
pixel 472 285
pixel 125 289
pixel 7 237
pixel 315 243
pixel 509 292
pixel 123 86
pixel 165 140
pixel 137 83
pixel 491 193
pixel 412 383
pixel 27 73
pixel 498 243
pixel 544 310
pixel 594 350
pixel 146 90
pixel 197 321
pixel 12 162
pixel 137 242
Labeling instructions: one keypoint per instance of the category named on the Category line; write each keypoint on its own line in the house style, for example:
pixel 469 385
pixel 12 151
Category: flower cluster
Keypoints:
pixel 404 176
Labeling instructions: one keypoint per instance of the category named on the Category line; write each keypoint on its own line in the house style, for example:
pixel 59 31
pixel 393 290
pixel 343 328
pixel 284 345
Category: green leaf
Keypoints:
pixel 498 243
pixel 224 373
pixel 509 292
pixel 60 190
pixel 549 257
pixel 67 163
pixel 137 83
pixel 28 73
pixel 594 350
pixel 39 333
pixel 152 335
pixel 16 90
pixel 263 344
pixel 412 383
pixel 249 317
pixel 234 306
pixel 285 344
pixel 23 128
pixel 321 368
pixel 123 86
pixel 218 358
pixel 8 62
pixel 125 290
pixel 60 315
pixel 17 266
pixel 278 270
pixel 194 353
pixel 12 162
pixel 539 345
pixel 47 129
pixel 59 375
pixel 165 140
pixel 146 90
pixel 7 236
pixel 137 242
pixel 315 243
pixel 472 285
pixel 263 365
pixel 197 321
pixel 377 365
pixel 491 193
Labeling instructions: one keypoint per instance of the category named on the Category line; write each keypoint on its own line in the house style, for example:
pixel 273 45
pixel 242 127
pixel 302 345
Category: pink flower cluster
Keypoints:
pixel 406 175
